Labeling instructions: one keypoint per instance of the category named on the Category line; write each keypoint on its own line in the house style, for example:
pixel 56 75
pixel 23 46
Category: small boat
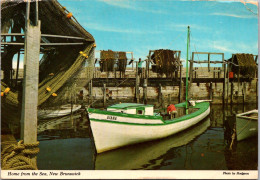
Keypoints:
pixel 247 124
pixel 130 123
pixel 150 154
pixel 60 111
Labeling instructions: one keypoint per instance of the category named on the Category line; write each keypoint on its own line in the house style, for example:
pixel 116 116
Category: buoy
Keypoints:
pixel 48 89
pixel 2 93
pixel 85 55
pixel 94 45
pixel 64 7
pixel 69 15
pixel 81 52
pixel 51 74
pixel 6 90
pixel 54 94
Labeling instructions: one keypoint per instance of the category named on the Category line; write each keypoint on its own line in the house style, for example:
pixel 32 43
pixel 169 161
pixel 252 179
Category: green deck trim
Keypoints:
pixel 91 110
pixel 128 106
pixel 203 106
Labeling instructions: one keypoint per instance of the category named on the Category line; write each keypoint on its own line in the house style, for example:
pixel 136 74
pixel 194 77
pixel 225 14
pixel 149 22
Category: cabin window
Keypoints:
pixel 139 111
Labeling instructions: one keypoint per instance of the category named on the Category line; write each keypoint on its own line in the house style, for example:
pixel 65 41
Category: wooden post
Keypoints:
pixel 228 68
pixel 137 85
pixel 145 91
pixel 238 82
pixel 209 62
pixel 191 69
pixel 231 94
pixel 114 71
pixel 30 82
pixel 210 91
pixel 160 93
pixel 104 95
pixel 244 92
pixel 147 68
pixel 195 76
pixel 224 86
pixel 90 92
pixel 256 86
pixel 180 86
pixel 17 67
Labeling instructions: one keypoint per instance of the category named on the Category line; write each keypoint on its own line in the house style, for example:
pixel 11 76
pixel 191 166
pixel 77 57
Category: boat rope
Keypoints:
pixel 19 156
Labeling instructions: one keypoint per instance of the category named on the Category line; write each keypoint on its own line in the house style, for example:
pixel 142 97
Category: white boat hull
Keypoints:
pixel 246 127
pixel 108 136
pixel 63 111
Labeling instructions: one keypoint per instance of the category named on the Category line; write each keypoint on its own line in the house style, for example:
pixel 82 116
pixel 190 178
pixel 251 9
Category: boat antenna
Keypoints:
pixel 187 68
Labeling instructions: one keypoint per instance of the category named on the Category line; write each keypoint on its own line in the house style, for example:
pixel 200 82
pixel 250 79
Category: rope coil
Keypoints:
pixel 19 156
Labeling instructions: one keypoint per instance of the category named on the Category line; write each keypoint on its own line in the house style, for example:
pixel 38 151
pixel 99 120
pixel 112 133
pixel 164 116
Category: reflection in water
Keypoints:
pixel 65 144
pixel 147 155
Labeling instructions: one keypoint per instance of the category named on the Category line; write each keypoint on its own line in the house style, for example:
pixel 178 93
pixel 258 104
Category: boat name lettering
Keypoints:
pixel 111 117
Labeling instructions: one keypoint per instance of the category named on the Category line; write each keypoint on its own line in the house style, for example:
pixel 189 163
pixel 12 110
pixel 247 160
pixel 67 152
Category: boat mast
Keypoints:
pixel 187 64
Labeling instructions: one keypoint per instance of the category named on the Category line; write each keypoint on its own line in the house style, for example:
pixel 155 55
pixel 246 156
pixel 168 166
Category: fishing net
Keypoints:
pixel 247 65
pixel 165 62
pixel 60 64
pixel 122 61
pixel 107 61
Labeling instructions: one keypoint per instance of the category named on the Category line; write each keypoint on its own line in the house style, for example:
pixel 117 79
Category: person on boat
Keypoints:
pixel 171 110
pixel 140 67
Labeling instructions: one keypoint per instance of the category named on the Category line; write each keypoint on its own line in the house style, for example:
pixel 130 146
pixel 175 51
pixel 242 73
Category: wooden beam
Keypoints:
pixel 47 35
pixel 208 53
pixel 207 61
pixel 43 44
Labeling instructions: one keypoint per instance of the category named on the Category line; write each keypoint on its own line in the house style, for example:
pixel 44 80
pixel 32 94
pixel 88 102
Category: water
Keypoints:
pixel 206 146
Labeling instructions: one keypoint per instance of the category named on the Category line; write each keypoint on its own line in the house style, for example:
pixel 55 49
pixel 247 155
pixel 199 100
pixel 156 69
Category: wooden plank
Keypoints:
pixel 208 53
pixel 206 62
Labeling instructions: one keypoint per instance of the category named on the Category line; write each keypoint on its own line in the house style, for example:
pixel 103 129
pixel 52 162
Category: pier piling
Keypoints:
pixel 137 84
pixel 180 85
pixel 104 95
pixel 31 79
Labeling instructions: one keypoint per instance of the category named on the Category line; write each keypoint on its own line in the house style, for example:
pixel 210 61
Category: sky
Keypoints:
pixel 142 25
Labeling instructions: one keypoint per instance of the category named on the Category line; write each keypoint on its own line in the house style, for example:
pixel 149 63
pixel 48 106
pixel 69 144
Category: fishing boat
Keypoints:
pixel 247 124
pixel 130 123
pixel 151 154
pixel 60 111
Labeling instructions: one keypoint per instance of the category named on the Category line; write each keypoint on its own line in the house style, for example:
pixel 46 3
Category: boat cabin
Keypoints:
pixel 132 108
